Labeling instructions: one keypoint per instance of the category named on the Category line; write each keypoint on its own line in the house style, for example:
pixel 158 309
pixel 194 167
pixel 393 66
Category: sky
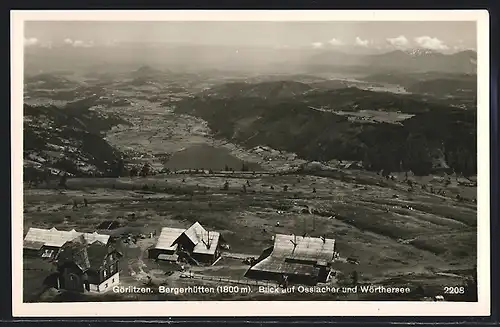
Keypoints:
pixel 441 36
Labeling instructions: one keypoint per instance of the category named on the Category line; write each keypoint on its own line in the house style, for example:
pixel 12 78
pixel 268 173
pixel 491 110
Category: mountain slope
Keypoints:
pixel 68 139
pixel 436 134
pixel 461 87
pixel 267 89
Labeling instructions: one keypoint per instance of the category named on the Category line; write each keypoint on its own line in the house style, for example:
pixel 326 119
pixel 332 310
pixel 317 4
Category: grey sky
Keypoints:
pixel 439 35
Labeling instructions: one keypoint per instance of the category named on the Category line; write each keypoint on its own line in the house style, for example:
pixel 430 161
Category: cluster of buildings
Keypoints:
pixel 87 262
pixel 296 259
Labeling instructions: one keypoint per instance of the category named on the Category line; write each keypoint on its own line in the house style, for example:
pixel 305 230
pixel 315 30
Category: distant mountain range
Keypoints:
pixel 247 58
pixel 416 60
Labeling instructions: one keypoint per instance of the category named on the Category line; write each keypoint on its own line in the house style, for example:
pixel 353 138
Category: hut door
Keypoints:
pixel 73 282
pixel 86 285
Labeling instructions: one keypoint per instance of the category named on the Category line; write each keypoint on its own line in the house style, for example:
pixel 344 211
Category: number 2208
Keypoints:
pixel 454 290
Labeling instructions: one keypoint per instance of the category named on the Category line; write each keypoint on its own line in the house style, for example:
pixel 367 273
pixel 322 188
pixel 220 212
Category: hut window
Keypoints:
pixel 47 253
pixel 106 285
pixel 104 273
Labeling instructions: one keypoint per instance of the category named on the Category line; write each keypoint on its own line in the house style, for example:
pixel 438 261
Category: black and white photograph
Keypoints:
pixel 251 159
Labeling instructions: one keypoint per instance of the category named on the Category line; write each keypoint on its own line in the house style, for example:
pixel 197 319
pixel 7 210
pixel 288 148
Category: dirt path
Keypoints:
pixel 136 265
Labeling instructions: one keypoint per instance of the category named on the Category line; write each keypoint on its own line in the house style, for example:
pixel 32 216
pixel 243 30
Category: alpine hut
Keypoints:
pixel 298 259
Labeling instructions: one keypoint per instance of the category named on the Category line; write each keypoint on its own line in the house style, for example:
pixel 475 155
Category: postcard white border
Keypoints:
pixel 253 308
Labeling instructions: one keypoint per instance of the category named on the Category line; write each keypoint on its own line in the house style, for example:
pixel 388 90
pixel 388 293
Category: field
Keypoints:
pixel 415 234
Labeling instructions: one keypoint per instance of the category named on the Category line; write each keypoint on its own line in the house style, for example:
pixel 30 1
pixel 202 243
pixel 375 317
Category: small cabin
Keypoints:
pixel 195 245
pixel 88 268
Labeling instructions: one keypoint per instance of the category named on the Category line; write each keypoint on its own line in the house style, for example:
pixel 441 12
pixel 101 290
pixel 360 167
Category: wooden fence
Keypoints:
pixel 247 282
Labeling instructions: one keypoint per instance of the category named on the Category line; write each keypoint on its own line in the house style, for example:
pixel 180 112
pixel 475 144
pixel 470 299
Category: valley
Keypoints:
pixel 389 175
